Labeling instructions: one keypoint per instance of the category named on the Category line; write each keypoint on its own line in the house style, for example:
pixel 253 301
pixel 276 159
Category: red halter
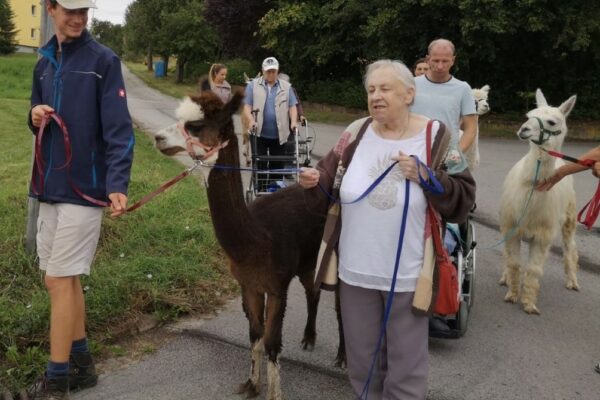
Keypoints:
pixel 190 142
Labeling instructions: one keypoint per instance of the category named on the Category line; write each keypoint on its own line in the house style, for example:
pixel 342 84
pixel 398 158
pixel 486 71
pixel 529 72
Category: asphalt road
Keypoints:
pixel 506 354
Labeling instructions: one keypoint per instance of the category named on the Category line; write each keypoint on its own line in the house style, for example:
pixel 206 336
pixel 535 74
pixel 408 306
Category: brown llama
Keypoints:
pixel 268 242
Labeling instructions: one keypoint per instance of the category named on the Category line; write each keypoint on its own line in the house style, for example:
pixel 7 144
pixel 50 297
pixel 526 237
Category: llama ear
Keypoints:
pixel 234 104
pixel 568 105
pixel 486 89
pixel 204 84
pixel 540 99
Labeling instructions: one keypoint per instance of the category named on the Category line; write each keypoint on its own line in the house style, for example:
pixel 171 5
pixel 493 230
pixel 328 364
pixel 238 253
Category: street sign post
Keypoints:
pixel 46 32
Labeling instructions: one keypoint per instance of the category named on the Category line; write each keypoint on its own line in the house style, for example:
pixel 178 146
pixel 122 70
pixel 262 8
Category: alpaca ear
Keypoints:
pixel 486 89
pixel 204 84
pixel 234 104
pixel 568 105
pixel 540 99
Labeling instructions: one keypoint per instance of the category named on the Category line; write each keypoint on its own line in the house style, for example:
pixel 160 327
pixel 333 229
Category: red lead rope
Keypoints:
pixel 37 175
pixel 592 206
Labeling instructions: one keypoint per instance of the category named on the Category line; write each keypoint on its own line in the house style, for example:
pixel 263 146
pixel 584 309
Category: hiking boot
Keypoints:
pixel 82 371
pixel 45 388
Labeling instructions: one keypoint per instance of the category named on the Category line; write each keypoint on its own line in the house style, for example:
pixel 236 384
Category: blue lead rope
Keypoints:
pixel 513 231
pixel 434 186
pixel 390 299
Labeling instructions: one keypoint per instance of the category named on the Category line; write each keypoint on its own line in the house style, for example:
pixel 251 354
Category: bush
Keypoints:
pixel 345 93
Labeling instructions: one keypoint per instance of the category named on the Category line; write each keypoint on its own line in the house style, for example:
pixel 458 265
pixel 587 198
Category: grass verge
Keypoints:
pixel 162 259
pixel 166 85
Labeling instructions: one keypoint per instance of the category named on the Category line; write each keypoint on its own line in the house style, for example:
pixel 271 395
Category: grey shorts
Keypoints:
pixel 67 236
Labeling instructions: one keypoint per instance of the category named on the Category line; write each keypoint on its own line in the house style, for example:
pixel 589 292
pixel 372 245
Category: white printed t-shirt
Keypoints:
pixel 371 227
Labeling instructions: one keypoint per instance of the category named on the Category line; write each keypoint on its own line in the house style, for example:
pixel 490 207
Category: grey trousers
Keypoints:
pixel 402 367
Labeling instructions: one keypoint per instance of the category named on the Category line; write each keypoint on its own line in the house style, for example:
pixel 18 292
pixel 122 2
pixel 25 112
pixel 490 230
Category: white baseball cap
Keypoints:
pixel 77 4
pixel 270 63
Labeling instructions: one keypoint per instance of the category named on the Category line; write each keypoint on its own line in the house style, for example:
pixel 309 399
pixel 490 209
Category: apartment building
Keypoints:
pixel 28 20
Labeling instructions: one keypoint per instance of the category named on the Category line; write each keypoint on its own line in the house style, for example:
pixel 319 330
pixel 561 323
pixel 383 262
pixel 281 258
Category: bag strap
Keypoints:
pixel 433 218
pixel 428 142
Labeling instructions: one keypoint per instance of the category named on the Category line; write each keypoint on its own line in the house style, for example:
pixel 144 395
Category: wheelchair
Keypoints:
pixel 460 241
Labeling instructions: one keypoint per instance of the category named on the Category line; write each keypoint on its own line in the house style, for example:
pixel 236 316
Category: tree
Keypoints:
pixel 109 34
pixel 513 45
pixel 236 23
pixel 142 27
pixel 186 35
pixel 8 32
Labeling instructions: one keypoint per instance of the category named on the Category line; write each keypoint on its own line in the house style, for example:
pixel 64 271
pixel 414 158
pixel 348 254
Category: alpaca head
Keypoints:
pixel 481 99
pixel 206 120
pixel 546 125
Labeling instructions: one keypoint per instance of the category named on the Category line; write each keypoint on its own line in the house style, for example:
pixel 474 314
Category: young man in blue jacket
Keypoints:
pixel 81 81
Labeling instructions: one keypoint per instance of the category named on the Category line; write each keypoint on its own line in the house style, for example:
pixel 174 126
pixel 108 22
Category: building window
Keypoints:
pixel 33 33
pixel 33 10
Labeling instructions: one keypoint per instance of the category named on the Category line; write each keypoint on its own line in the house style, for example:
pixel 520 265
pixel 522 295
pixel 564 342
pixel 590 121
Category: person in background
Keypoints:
pixel 568 169
pixel 81 81
pixel 420 67
pixel 217 80
pixel 365 234
pixel 571 168
pixel 300 109
pixel 443 97
pixel 277 114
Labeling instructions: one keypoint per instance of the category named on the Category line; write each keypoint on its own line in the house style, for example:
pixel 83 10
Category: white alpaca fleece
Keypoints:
pixel 526 213
pixel 481 98
pixel 189 110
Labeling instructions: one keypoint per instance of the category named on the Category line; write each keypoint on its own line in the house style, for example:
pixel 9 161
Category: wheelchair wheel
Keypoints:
pixel 470 270
pixel 462 318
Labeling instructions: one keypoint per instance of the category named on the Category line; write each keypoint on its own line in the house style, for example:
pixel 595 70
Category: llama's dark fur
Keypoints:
pixel 268 243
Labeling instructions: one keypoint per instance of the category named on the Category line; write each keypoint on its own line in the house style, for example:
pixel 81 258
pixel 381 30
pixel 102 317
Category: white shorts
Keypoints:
pixel 67 236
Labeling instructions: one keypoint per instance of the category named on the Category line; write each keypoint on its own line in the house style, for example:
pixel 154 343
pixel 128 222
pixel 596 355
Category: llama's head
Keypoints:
pixel 481 99
pixel 204 127
pixel 546 125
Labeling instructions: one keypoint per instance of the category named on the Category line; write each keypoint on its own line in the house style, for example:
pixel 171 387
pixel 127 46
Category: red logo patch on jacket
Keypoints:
pixel 122 93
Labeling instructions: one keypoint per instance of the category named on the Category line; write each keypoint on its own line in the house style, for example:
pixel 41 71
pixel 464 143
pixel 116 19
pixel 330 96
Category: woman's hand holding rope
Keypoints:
pixel 408 167
pixel 309 177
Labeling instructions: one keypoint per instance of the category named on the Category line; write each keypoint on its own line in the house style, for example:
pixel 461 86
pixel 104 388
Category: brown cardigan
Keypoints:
pixel 453 205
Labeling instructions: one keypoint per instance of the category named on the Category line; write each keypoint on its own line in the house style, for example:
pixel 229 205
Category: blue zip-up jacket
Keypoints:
pixel 85 87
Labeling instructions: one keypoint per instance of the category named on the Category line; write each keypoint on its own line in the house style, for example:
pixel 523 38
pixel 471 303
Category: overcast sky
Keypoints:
pixel 110 10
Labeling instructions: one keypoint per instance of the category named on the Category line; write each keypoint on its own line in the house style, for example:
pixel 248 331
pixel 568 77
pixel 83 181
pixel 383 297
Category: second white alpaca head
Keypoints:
pixel 481 99
pixel 546 125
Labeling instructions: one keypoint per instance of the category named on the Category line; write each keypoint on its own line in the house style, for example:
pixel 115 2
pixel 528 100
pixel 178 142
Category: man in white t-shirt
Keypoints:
pixel 441 96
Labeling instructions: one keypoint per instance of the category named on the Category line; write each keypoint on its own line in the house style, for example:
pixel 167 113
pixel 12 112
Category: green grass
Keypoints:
pixel 164 85
pixel 161 259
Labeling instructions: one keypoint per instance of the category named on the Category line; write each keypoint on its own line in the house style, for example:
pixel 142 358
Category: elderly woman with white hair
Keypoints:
pixel 367 240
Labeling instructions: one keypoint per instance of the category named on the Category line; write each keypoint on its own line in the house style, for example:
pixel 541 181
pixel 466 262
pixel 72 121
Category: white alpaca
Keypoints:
pixel 482 107
pixel 546 212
